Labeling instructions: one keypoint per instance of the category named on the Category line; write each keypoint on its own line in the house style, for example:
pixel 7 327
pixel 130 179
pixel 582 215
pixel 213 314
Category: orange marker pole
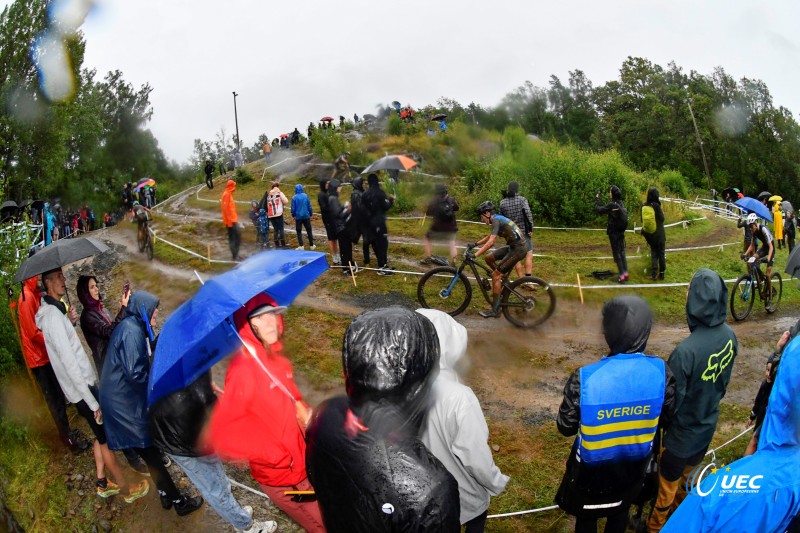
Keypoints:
pixel 580 289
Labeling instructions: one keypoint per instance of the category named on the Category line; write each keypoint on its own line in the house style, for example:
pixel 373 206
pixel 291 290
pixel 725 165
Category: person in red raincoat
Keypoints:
pixel 261 421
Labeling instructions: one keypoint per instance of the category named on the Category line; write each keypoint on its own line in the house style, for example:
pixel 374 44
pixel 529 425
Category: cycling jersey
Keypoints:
pixel 507 229
pixel 763 235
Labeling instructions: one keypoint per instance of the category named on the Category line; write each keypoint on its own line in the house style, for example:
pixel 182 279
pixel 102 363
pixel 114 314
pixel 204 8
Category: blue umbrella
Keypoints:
pixel 201 332
pixel 751 205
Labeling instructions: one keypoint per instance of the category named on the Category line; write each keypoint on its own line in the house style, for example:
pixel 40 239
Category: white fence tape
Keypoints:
pixel 209 260
pixel 245 487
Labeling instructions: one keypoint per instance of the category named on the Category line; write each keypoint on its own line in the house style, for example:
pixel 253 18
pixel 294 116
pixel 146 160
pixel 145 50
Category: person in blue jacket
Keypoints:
pixel 615 407
pixel 760 492
pixel 301 213
pixel 123 396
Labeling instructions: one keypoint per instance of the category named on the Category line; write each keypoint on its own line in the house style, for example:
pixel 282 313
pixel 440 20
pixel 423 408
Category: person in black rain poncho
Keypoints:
pixel 615 406
pixel 370 470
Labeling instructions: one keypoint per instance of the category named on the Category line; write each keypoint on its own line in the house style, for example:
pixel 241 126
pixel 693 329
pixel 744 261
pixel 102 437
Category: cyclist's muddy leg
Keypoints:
pixel 768 282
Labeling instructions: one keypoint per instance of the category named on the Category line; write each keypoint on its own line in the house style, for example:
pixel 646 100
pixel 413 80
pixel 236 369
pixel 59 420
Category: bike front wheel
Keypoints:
pixel 444 289
pixel 528 301
pixel 743 295
pixel 777 289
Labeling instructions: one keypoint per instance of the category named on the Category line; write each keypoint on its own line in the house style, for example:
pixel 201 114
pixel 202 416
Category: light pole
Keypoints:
pixel 236 117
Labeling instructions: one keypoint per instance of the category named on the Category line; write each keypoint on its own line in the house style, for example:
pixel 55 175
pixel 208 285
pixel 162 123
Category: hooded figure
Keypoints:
pixel 368 466
pixel 615 407
pixel 230 218
pixel 340 220
pixel 126 369
pixel 455 430
pixel 702 365
pixel 770 498
pixel 617 224
pixel 358 216
pixel 658 239
pixel 301 212
pixel 376 203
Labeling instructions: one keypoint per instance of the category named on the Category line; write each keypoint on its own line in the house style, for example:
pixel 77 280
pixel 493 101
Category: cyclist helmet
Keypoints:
pixel 486 206
pixel 135 202
pixel 752 218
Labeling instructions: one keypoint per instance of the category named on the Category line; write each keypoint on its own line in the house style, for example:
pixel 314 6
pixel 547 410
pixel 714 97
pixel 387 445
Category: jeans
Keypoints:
pixel 299 224
pixel 277 231
pixel 209 477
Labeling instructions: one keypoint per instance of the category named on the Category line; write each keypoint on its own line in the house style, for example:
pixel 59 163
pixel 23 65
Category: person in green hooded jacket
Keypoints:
pixel 702 365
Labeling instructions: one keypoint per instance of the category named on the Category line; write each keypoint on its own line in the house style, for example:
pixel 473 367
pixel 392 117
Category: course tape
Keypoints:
pixel 222 261
pixel 636 229
pixel 245 487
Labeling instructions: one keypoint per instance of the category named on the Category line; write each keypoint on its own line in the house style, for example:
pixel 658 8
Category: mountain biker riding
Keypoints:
pixel 761 233
pixel 508 256
pixel 142 215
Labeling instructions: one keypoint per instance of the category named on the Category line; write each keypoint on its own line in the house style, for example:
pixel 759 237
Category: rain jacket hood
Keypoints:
pixel 298 189
pixel 358 184
pixel 452 339
pixel 370 470
pixel 85 298
pixel 771 477
pixel 707 303
pixel 140 300
pixel 652 195
pixel 626 324
pixel 616 193
pixel 390 354
pixel 333 187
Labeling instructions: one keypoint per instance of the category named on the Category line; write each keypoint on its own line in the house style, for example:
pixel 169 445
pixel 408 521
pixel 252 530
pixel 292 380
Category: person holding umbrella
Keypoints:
pixel 78 381
pixel 261 418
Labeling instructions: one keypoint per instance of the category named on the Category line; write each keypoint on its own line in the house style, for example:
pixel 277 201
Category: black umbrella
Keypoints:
pixel 25 203
pixel 58 254
pixel 10 204
pixel 37 204
pixel 439 117
pixel 793 264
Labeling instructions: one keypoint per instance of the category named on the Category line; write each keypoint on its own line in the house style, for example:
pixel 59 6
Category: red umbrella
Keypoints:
pixel 327 119
pixel 284 135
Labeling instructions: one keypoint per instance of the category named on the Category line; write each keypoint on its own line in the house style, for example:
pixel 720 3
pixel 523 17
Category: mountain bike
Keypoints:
pixel 145 242
pixel 751 285
pixel 526 302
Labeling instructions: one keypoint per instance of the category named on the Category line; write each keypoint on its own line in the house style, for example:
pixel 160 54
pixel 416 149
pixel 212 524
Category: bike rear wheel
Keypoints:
pixel 743 295
pixel 528 302
pixel 777 289
pixel 445 289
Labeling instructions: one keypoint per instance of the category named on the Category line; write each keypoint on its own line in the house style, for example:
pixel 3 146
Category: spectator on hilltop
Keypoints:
pixel 230 219
pixel 302 212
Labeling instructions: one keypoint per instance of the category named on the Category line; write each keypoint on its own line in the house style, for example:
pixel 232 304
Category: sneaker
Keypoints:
pixel 623 278
pixel 109 490
pixel 166 460
pixel 661 276
pixel 490 313
pixel 186 505
pixel 313 247
pixel 385 270
pixel 137 491
pixel 265 526
pixel 300 248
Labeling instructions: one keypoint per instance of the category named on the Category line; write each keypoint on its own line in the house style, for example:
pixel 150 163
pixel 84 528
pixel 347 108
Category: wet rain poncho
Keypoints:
pixel 228 205
pixel 702 365
pixel 177 420
pixel 767 503
pixel 126 369
pixel 455 430
pixel 613 484
pixel 370 470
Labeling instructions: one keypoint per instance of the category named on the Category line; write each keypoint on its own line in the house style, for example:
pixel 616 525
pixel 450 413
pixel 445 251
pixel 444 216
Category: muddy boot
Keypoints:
pixel 277 242
pixel 283 243
pixel 494 312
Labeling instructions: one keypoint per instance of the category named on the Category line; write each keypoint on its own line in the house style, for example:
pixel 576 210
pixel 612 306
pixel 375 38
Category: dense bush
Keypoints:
pixel 674 183
pixel 15 241
pixel 243 176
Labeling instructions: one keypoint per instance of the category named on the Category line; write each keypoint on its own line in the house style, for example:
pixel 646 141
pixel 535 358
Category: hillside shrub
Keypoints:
pixel 243 176
pixel 674 183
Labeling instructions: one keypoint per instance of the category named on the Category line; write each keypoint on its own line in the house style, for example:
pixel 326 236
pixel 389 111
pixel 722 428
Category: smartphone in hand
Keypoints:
pixel 126 289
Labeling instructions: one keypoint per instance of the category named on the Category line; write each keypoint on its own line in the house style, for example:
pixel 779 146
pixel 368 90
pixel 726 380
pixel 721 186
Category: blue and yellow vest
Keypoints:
pixel 621 399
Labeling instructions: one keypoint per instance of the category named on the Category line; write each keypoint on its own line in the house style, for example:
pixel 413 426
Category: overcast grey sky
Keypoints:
pixel 294 62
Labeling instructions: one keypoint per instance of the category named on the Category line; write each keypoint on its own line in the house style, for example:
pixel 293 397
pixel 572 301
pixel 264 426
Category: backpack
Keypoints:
pixel 274 206
pixel 444 209
pixel 648 219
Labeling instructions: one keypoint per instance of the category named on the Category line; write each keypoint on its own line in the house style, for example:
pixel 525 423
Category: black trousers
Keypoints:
pixel 209 181
pixel 54 397
pixel 615 523
pixel 152 458
pixel 234 240
pixel 380 244
pixel 345 247
pixel 477 524
pixel 618 251
pixel 298 227
pixel 658 257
